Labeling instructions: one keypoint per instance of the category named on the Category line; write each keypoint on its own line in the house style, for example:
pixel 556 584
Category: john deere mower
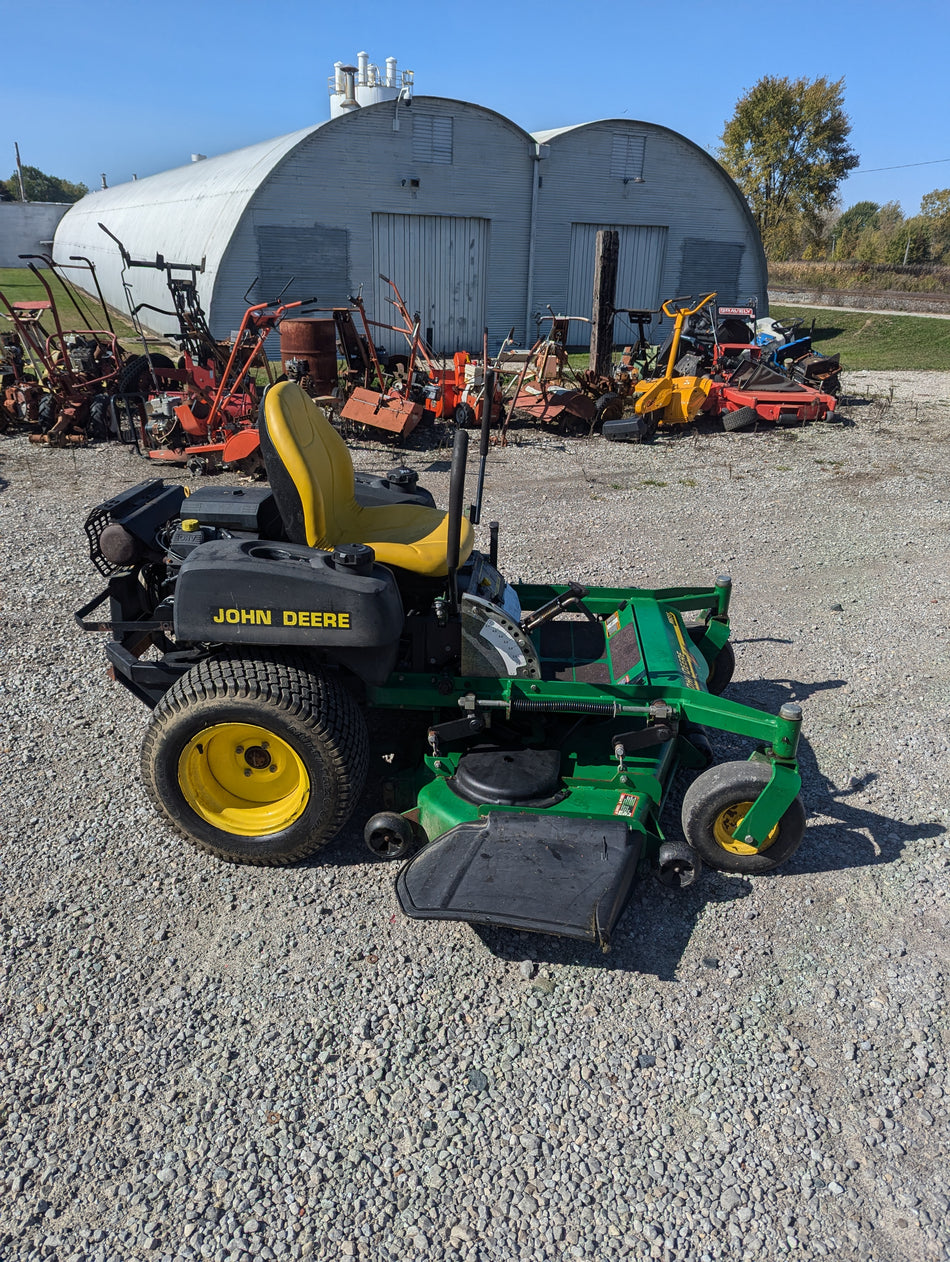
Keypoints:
pixel 542 724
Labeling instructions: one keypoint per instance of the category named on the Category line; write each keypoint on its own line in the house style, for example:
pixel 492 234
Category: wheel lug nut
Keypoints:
pixel 273 767
pixel 239 749
pixel 265 744
pixel 247 771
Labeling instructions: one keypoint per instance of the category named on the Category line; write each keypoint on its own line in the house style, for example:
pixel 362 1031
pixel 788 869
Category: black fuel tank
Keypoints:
pixel 281 594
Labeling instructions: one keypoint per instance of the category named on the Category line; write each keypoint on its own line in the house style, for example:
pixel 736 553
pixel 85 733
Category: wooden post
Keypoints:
pixel 19 172
pixel 605 285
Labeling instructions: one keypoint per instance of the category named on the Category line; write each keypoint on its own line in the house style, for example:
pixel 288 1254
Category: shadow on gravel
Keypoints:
pixel 858 837
pixel 649 938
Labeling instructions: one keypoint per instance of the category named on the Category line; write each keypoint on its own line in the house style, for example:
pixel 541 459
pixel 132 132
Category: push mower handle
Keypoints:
pixel 679 307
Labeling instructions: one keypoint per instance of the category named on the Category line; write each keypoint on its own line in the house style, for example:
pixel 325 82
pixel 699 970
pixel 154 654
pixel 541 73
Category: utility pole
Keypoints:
pixel 606 254
pixel 19 172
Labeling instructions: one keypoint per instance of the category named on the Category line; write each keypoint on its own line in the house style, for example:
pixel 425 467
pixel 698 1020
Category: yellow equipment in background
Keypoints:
pixel 667 400
pixel 675 400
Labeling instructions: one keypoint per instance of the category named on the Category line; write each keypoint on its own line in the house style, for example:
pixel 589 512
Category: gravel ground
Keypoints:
pixel 226 1063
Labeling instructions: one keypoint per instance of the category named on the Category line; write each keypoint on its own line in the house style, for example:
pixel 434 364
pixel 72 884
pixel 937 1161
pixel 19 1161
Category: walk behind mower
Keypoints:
pixel 541 725
pixel 674 398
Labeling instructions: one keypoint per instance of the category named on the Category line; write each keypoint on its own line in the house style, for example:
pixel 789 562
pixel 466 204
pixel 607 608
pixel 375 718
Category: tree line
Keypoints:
pixel 786 146
pixel 40 187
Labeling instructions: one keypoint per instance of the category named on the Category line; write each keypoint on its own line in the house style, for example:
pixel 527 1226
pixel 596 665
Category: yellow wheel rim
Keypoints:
pixel 243 780
pixel 726 823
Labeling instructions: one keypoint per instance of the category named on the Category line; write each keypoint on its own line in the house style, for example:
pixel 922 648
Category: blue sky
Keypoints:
pixel 126 87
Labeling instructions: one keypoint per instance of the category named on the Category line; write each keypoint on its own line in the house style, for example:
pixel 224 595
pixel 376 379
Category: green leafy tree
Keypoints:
pixel 786 146
pixel 935 209
pixel 40 187
pixel 853 227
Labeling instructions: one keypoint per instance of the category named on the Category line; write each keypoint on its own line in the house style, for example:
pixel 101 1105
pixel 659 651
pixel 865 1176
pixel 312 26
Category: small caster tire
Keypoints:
pixel 389 836
pixel 678 865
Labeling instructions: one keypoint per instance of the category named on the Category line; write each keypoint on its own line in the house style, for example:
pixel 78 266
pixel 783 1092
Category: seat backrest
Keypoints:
pixel 308 465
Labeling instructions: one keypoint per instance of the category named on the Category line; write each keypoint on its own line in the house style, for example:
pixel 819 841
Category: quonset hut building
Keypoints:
pixel 477 221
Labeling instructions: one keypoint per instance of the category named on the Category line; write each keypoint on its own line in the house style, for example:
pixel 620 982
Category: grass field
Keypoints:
pixel 18 284
pixel 882 342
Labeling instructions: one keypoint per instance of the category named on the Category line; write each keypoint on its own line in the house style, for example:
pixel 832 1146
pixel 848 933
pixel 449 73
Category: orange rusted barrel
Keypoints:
pixel 312 342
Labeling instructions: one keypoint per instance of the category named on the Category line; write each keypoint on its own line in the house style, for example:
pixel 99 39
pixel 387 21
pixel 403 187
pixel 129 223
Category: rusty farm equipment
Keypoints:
pixel 201 412
pixel 56 380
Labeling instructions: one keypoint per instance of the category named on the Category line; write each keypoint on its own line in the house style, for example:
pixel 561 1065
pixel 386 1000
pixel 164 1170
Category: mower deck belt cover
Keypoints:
pixel 546 873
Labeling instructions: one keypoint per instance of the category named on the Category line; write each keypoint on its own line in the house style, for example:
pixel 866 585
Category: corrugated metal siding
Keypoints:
pixel 358 166
pixel 187 214
pixel 711 265
pixel 639 269
pixel 315 261
pixel 339 174
pixel 682 189
pixel 442 262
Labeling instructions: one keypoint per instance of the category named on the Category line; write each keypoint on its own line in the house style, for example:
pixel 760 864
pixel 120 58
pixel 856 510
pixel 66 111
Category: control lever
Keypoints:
pixel 573 596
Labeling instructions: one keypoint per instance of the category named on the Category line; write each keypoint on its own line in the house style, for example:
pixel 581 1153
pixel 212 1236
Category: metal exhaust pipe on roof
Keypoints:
pixel 349 101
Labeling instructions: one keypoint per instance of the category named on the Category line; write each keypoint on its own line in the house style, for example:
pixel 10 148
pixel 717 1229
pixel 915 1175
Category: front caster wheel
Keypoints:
pixel 714 806
pixel 256 760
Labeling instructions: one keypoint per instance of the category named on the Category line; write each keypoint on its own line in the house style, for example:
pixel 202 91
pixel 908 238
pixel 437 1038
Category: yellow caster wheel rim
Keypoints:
pixel 726 823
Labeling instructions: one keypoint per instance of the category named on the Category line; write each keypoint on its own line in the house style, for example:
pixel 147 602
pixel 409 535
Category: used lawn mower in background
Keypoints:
pixel 203 412
pixel 722 372
pixel 541 725
pixel 790 351
pixel 57 380
pixel 676 397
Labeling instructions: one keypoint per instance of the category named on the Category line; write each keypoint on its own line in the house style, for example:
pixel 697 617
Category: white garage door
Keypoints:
pixel 440 264
pixel 639 268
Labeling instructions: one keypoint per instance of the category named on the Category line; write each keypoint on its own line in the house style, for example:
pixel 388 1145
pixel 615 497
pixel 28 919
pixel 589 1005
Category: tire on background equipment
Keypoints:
pixel 742 418
pixel 206 759
pixel 714 804
pixel 134 376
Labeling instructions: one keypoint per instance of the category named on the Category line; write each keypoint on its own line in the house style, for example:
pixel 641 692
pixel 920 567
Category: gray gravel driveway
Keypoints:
pixel 201 1061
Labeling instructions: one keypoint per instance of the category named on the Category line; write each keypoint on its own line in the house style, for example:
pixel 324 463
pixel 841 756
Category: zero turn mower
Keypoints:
pixel 261 623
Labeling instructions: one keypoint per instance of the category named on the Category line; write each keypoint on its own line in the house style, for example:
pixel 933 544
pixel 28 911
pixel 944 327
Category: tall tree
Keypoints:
pixel 786 146
pixel 935 210
pixel 40 187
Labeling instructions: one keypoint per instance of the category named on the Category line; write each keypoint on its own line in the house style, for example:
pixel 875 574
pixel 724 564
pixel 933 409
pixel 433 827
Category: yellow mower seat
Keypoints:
pixel 311 473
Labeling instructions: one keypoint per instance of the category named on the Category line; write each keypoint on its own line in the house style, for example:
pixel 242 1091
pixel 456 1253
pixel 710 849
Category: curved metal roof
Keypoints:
pixel 192 211
pixel 545 137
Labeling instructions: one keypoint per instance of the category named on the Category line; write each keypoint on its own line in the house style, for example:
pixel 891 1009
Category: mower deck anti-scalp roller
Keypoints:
pixel 541 725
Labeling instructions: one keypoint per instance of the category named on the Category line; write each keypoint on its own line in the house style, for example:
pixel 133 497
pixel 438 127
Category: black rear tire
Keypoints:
pixel 134 376
pixel 609 407
pixel 245 799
